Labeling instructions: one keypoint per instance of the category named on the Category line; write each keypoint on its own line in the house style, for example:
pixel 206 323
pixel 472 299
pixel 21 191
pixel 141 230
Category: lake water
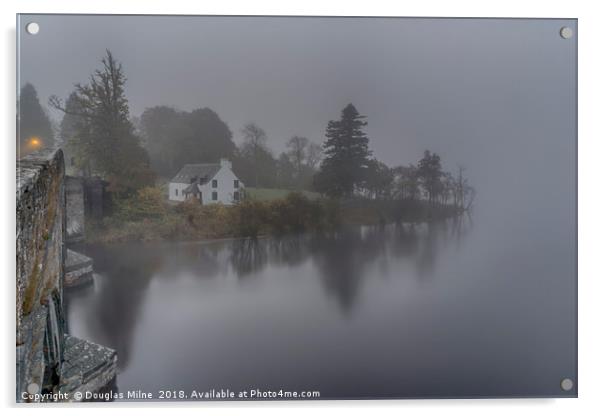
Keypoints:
pixel 458 308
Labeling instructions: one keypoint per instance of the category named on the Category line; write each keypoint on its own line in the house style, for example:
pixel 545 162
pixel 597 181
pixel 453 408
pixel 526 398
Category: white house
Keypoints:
pixel 210 183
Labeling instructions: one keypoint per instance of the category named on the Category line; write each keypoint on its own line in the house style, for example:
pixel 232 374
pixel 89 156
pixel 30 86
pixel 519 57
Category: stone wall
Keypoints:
pixel 40 259
pixel 48 360
pixel 97 201
pixel 74 190
pixel 86 199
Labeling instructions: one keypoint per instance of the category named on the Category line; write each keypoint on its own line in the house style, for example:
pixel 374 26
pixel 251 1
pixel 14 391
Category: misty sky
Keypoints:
pixel 496 95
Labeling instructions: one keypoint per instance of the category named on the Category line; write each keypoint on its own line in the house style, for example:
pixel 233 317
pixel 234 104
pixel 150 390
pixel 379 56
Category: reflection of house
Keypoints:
pixel 208 182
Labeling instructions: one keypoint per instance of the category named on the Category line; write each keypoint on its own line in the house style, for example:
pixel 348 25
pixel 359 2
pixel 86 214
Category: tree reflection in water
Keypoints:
pixel 342 260
pixel 123 276
pixel 248 256
pixel 342 257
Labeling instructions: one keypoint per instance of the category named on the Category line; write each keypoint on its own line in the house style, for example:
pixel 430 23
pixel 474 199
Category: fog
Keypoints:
pixel 495 95
pixel 481 304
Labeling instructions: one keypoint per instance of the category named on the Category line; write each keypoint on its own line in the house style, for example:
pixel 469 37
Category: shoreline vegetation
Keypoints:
pixel 150 218
pixel 311 186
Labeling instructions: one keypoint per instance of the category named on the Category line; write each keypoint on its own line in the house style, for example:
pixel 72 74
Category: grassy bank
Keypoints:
pixel 269 194
pixel 147 217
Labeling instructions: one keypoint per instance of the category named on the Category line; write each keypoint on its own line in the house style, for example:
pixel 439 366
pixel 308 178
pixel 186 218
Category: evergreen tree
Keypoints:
pixel 70 125
pixel 346 155
pixel 34 128
pixel 103 136
pixel 71 121
pixel 430 174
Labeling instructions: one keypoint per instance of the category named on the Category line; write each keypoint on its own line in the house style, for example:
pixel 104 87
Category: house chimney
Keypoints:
pixel 225 163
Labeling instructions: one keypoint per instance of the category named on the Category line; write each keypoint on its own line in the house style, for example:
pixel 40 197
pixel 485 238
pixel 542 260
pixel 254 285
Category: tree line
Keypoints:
pixel 349 170
pixel 102 139
pixel 34 129
pixel 174 138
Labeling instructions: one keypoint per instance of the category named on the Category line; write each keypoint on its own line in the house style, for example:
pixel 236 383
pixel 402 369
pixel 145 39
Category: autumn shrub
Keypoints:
pixel 327 215
pixel 295 213
pixel 290 214
pixel 146 216
pixel 248 218
pixel 146 203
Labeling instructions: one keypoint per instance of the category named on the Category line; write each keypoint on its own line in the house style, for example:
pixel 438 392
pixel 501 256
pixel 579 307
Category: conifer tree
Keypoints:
pixel 34 128
pixel 346 155
pixel 103 135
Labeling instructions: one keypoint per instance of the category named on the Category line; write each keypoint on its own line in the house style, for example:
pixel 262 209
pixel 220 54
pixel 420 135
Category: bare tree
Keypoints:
pixel 460 188
pixel 314 155
pixel 470 194
pixel 297 152
pixel 448 187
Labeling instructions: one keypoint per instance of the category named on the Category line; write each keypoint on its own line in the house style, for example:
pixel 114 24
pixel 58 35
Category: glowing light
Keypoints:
pixel 35 142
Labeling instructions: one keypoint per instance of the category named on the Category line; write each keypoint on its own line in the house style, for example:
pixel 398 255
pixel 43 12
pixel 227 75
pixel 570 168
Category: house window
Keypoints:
pixel 214 196
pixel 214 183
pixel 235 183
pixel 176 192
pixel 236 195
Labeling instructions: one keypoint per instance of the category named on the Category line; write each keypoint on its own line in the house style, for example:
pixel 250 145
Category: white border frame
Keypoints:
pixel 590 151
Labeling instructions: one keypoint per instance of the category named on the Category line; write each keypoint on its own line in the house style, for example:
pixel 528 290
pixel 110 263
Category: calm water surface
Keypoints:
pixel 463 307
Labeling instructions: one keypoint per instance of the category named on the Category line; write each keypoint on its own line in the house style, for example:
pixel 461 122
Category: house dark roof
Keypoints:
pixel 200 173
